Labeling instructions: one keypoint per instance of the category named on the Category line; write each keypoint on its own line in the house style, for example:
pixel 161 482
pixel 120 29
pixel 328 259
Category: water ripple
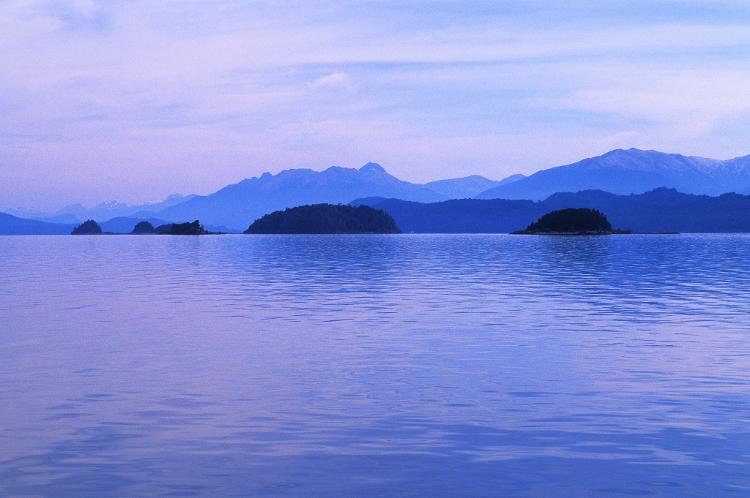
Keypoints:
pixel 375 365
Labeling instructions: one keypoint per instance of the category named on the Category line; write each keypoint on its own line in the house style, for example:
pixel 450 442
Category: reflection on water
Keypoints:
pixel 375 365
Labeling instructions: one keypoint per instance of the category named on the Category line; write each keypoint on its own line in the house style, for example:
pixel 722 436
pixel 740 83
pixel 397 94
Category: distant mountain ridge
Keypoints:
pixel 77 213
pixel 659 210
pixel 632 171
pixel 13 225
pixel 235 206
pixel 114 209
pixel 240 204
pixel 468 186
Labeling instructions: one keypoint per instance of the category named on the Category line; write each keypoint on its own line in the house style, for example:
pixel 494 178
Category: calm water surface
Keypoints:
pixel 411 365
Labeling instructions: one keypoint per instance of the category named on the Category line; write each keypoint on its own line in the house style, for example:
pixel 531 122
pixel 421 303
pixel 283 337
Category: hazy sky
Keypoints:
pixel 135 100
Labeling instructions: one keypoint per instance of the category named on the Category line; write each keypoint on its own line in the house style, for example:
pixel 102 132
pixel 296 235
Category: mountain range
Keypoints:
pixel 240 204
pixel 76 213
pixel 632 171
pixel 14 225
pixel 469 186
pixel 659 210
pixel 234 207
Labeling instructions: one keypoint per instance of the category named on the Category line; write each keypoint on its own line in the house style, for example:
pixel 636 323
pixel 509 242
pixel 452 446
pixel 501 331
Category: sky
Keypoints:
pixel 135 100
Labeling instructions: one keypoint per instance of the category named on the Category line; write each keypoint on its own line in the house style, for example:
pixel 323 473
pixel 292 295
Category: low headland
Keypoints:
pixel 325 219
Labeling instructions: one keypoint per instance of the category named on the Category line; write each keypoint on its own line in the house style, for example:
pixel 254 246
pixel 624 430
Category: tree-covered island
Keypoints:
pixel 193 228
pixel 91 227
pixel 325 219
pixel 88 227
pixel 571 221
pixel 143 228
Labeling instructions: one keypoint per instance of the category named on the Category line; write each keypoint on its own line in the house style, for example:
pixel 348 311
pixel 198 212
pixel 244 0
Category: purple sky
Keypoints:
pixel 136 100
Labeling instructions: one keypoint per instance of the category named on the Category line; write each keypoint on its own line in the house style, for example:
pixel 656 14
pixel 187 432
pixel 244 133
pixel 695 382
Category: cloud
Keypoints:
pixel 332 80
pixel 113 91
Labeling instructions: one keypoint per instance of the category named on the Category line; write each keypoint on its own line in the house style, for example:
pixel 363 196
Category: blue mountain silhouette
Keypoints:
pixel 632 171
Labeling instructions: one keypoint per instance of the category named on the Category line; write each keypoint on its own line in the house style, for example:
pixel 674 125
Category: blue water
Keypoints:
pixel 409 365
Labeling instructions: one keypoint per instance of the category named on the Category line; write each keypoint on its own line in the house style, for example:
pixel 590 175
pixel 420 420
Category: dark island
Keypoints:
pixel 89 227
pixel 325 219
pixel 571 221
pixel 193 228
pixel 143 228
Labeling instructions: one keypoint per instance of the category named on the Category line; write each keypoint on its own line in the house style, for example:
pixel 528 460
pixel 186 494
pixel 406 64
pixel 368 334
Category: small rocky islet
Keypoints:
pixel 91 227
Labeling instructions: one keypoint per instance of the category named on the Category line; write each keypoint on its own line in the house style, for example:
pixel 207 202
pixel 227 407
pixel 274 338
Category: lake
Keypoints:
pixel 408 365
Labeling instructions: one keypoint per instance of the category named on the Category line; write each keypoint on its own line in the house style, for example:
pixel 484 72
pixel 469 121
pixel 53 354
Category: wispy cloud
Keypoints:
pixel 136 99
